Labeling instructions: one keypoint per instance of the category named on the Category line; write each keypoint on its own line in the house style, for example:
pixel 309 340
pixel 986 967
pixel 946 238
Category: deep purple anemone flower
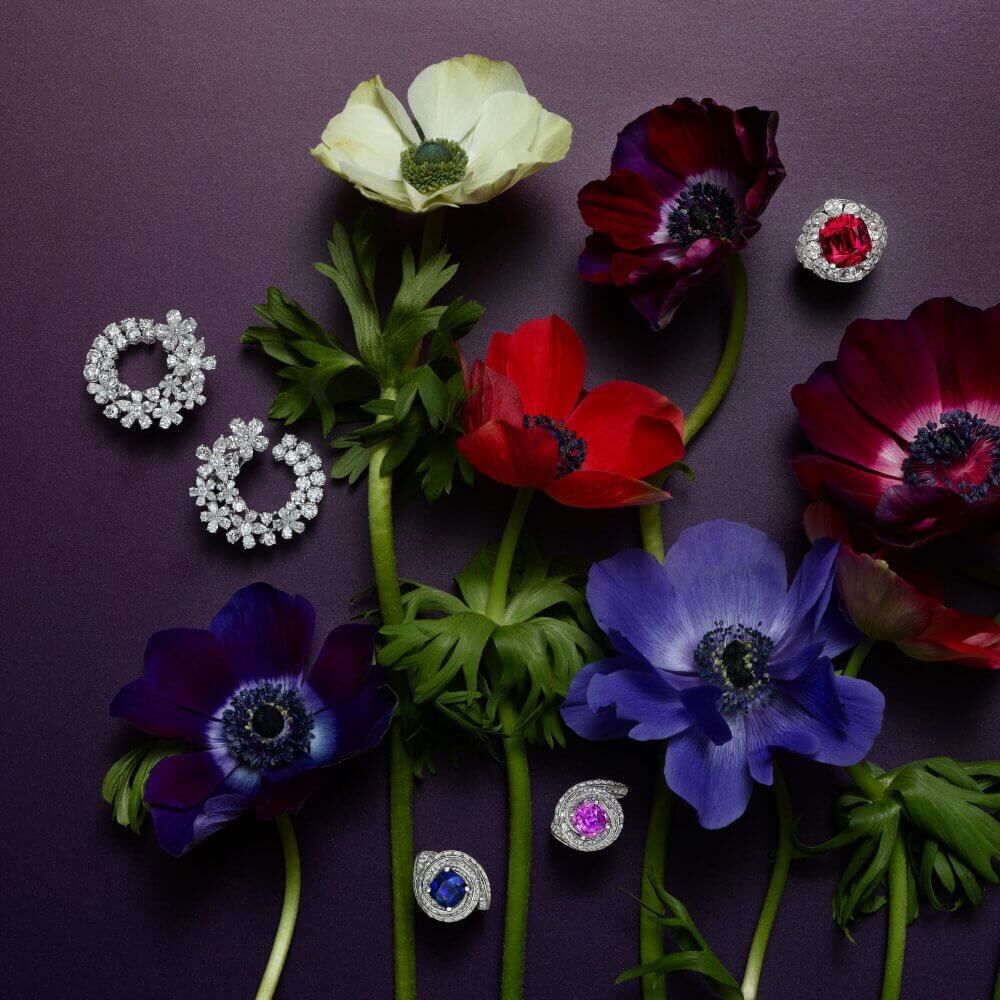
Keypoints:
pixel 688 184
pixel 265 721
pixel 719 656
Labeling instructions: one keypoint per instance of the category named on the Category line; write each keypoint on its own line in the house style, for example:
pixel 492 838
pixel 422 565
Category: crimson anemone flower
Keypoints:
pixel 907 420
pixel 688 184
pixel 260 721
pixel 879 594
pixel 529 423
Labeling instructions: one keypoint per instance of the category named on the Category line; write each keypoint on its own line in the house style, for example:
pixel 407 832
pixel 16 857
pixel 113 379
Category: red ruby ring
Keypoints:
pixel 842 241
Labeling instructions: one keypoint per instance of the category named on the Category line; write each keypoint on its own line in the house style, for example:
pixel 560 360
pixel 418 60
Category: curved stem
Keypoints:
pixel 496 603
pixel 515 925
pixel 654 865
pixel 779 876
pixel 858 657
pixel 400 765
pixel 723 377
pixel 895 945
pixel 289 909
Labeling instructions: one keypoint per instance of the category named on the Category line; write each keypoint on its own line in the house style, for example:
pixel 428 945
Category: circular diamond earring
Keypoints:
pixel 215 488
pixel 842 241
pixel 588 816
pixel 449 885
pixel 180 389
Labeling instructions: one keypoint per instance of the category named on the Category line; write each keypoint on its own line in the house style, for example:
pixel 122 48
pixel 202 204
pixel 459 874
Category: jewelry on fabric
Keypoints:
pixel 449 885
pixel 842 241
pixel 180 389
pixel 216 491
pixel 588 816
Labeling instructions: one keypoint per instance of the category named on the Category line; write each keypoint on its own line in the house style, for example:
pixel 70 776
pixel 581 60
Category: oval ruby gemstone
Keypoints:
pixel 844 240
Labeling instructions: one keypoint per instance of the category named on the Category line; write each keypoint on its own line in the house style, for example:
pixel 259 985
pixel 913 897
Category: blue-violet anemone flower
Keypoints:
pixel 716 654
pixel 259 719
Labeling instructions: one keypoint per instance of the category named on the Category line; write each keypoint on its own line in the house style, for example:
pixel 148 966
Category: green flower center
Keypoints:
pixel 434 164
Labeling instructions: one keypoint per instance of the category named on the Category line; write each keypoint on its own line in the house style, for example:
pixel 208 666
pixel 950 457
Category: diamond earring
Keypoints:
pixel 215 488
pixel 180 389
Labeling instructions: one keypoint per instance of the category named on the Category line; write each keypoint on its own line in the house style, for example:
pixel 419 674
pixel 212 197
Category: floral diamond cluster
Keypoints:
pixel 225 509
pixel 180 389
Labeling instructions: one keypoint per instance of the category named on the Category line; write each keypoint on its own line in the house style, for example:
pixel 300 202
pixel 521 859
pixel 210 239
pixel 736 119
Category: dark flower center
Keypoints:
pixel 735 658
pixel 572 447
pixel 267 726
pixel 433 164
pixel 961 452
pixel 703 209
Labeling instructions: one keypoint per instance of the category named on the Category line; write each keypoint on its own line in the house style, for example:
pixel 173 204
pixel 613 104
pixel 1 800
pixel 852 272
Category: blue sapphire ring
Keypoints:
pixel 449 885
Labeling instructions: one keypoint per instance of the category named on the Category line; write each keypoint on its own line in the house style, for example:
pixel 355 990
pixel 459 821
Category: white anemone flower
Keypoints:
pixel 477 132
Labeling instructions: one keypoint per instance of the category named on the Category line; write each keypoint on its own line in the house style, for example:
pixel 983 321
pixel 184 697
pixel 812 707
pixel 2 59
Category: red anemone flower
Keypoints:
pixel 688 184
pixel 907 420
pixel 528 422
pixel 887 606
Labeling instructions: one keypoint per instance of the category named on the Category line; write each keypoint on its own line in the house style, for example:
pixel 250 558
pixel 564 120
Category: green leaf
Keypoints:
pixel 124 783
pixel 695 956
pixel 290 325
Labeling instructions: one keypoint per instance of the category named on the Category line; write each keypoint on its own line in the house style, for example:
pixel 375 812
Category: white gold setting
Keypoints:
pixel 180 389
pixel 588 816
pixel 224 509
pixel 810 253
pixel 462 874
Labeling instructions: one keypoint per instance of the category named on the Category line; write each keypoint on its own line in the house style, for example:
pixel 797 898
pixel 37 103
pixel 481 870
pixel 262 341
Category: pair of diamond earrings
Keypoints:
pixel 449 885
pixel 182 389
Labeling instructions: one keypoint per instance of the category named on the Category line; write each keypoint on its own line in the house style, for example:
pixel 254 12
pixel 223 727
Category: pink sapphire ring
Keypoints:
pixel 588 816
pixel 842 241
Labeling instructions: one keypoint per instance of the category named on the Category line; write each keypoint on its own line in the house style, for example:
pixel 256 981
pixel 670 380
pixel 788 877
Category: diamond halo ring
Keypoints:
pixel 449 885
pixel 841 241
pixel 588 816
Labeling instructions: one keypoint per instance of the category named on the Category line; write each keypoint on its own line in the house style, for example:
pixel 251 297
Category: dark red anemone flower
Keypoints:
pixel 529 423
pixel 688 184
pixel 888 600
pixel 907 420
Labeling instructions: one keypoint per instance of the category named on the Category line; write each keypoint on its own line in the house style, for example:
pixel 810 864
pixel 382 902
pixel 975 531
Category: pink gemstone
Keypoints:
pixel 844 240
pixel 589 819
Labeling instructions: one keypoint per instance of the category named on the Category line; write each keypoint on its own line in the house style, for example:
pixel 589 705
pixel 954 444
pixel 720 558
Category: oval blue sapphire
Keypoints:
pixel 447 888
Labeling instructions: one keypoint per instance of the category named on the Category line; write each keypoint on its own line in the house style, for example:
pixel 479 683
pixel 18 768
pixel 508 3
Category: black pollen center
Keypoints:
pixel 267 721
pixel 737 662
pixel 703 209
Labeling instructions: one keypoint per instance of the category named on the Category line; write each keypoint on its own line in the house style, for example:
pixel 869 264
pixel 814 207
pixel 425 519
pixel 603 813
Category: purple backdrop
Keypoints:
pixel 155 156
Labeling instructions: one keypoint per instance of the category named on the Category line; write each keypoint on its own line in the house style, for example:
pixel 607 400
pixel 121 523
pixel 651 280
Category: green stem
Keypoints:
pixel 496 603
pixel 515 927
pixel 858 657
pixel 723 377
pixel 651 530
pixel 779 876
pixel 289 909
pixel 654 866
pixel 400 764
pixel 895 945
pixel 433 235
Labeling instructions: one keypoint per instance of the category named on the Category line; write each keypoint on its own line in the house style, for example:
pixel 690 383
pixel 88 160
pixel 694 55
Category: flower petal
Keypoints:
pixel 594 489
pixel 266 632
pixel 883 605
pixel 714 779
pixel 511 455
pixel 844 485
pixel 446 99
pixel 140 704
pixel 367 137
pixel 633 601
pixel 814 690
pixel 353 726
pixel 625 207
pixel 178 830
pixel 502 136
pixel 544 358
pixel 723 571
pixel 492 396
pixel 185 779
pixel 834 424
pixel 587 720
pixel 629 429
pixel 863 706
pixel 641 694
pixel 189 667
pixel 344 663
